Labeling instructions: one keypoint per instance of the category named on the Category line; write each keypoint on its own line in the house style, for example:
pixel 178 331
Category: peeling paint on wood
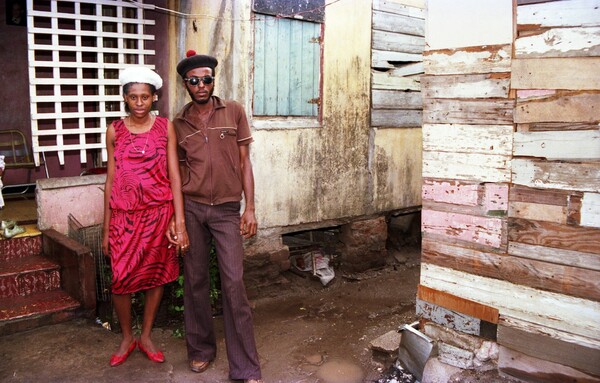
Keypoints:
pixel 448 318
pixel 584 176
pixel 580 145
pixel 385 21
pixel 466 86
pixel 526 94
pixel 469 228
pixel 560 42
pixel 461 138
pixel 452 191
pixel 412 8
pixel 553 255
pixel 478 112
pixel 565 13
pixel 556 73
pixel 466 166
pixel 398 42
pixel 487 59
pixel 569 316
pixel 590 210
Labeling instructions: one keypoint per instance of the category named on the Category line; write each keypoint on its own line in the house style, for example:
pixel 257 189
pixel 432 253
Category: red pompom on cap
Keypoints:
pixel 190 53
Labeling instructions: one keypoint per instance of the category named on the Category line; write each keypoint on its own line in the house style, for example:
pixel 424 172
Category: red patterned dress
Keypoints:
pixel 141 203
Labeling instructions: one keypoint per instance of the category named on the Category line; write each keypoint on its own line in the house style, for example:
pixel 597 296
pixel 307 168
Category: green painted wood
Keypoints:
pixel 286 66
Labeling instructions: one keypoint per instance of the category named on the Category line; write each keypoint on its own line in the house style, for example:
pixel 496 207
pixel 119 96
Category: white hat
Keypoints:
pixel 140 74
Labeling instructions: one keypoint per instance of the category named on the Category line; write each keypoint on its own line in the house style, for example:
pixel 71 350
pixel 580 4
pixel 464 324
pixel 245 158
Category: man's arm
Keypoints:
pixel 248 224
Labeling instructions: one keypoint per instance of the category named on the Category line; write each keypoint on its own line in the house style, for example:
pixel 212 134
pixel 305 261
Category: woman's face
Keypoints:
pixel 139 99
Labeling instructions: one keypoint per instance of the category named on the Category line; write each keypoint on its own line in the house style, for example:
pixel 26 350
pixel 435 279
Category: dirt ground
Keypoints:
pixel 305 333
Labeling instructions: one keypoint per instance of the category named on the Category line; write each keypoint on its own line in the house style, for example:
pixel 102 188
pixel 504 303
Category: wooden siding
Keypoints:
pixel 511 189
pixel 397 55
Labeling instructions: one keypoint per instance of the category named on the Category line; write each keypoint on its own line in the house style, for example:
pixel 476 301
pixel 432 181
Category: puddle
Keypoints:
pixel 340 371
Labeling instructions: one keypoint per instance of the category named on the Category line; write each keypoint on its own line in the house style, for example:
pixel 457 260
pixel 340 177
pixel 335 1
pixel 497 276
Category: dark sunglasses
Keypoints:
pixel 207 80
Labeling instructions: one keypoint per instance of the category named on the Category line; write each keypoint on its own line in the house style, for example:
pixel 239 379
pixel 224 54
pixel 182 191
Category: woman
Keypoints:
pixel 142 193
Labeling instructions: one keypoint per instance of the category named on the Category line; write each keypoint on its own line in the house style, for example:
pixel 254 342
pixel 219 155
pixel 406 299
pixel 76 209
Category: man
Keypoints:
pixel 214 138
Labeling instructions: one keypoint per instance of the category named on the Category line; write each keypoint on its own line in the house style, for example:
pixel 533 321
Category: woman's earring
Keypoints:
pixel 155 98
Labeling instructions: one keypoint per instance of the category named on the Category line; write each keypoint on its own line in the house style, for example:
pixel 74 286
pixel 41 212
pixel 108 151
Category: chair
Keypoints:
pixel 17 154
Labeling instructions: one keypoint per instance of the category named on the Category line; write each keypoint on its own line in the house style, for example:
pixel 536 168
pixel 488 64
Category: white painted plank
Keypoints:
pixel 385 59
pixel 560 42
pixel 578 145
pixel 390 22
pixel 412 8
pixel 556 175
pixel 485 139
pixel 565 13
pixel 465 86
pixel 388 80
pixel 489 59
pixel 555 311
pixel 466 166
pixel 554 255
pixel 406 70
pixel 397 42
pixel 590 210
pixel 578 73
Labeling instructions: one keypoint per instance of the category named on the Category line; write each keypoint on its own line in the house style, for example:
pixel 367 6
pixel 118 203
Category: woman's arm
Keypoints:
pixel 110 173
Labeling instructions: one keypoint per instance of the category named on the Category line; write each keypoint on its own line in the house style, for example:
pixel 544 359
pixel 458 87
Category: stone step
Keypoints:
pixel 23 313
pixel 28 275
pixel 22 245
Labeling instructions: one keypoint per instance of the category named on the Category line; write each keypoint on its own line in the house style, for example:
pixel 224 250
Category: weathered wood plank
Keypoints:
pixel 530 369
pixel 538 212
pixel 495 198
pixel 397 42
pixel 578 73
pixel 590 210
pixel 459 138
pixel 479 112
pixel 576 238
pixel 451 192
pixel 469 228
pixel 580 145
pixel 390 22
pixel 458 304
pixel 386 59
pixel 488 59
pixel 562 279
pixel 404 70
pixel 466 86
pixel 568 315
pixel 583 176
pixel 390 80
pixel 554 126
pixel 560 42
pixel 396 99
pixel 564 107
pixel 541 196
pixel 406 8
pixel 448 318
pixel 559 256
pixel 547 348
pixel 466 166
pixel 566 13
pixel 396 118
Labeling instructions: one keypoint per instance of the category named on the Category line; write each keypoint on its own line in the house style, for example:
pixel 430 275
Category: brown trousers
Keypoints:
pixel 221 223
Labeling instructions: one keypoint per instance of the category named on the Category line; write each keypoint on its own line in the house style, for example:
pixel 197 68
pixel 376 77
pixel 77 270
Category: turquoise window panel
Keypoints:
pixel 287 60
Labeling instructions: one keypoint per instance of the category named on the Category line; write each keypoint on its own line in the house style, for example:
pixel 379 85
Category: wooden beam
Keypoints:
pixel 458 304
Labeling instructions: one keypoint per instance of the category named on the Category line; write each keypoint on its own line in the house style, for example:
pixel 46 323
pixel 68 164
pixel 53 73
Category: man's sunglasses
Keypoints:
pixel 207 80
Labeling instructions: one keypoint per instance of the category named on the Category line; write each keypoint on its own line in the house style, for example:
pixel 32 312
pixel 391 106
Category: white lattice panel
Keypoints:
pixel 76 50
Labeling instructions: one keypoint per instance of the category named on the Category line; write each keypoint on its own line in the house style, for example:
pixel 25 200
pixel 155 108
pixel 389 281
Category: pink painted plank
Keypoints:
pixel 528 93
pixel 453 192
pixel 496 197
pixel 482 230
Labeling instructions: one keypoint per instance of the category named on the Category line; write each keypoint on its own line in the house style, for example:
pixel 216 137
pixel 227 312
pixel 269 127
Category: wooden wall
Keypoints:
pixel 511 190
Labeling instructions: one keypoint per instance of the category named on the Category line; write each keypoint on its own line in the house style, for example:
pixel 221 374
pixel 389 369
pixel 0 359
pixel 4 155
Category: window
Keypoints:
pixel 287 66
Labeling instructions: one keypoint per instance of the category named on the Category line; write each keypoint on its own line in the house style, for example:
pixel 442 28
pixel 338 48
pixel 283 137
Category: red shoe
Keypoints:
pixel 157 357
pixel 115 360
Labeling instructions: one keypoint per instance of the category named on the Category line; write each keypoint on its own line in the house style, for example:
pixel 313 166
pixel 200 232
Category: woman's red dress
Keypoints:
pixel 142 205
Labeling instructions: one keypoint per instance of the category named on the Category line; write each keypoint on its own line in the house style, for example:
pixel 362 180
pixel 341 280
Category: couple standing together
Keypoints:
pixel 144 199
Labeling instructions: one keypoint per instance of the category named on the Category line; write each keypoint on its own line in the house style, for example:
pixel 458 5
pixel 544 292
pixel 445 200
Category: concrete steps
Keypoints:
pixel 30 285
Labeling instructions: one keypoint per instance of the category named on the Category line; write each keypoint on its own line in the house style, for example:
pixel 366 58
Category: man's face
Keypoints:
pixel 201 92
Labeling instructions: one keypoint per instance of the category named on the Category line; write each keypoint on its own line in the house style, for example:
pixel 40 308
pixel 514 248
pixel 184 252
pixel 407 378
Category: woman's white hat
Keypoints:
pixel 140 74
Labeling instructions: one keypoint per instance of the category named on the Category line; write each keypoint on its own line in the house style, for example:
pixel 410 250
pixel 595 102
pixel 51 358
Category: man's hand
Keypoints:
pixel 248 224
pixel 172 233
